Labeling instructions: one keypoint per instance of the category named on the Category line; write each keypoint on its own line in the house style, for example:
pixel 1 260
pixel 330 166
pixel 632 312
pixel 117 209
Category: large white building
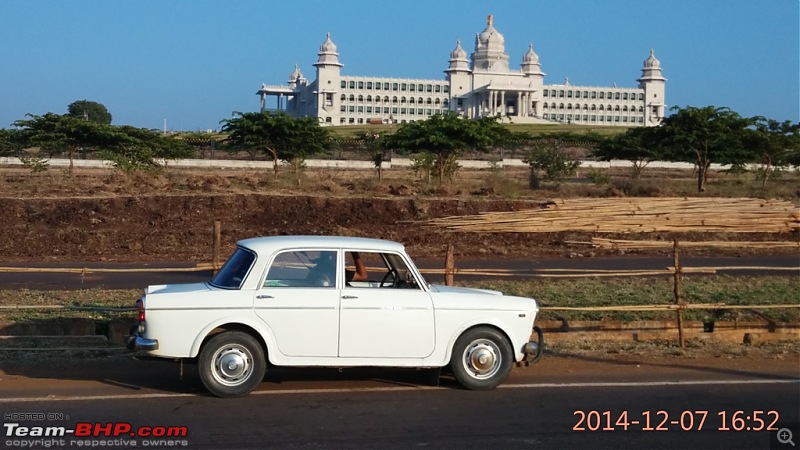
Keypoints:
pixel 479 86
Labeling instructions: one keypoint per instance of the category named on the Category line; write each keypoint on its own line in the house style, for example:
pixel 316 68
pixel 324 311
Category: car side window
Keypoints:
pixel 377 270
pixel 301 268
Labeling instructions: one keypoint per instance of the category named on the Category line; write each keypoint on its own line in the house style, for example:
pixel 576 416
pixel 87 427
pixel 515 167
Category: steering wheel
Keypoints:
pixel 390 273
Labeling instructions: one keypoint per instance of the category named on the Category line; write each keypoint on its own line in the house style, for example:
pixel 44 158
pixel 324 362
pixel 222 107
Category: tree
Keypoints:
pixel 640 146
pixel 447 136
pixel 546 156
pixel 89 110
pixel 704 136
pixel 131 148
pixel 278 135
pixel 375 146
pixel 54 133
pixel 9 142
pixel 772 144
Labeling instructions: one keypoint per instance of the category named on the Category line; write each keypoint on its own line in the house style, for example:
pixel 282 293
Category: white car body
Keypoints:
pixel 407 323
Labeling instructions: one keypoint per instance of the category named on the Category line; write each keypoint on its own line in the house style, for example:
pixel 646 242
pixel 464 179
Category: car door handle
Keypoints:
pixel 348 297
pixel 264 296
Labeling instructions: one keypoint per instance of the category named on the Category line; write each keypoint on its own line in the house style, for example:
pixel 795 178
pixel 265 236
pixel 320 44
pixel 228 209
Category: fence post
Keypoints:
pixel 216 246
pixel 449 266
pixel 678 291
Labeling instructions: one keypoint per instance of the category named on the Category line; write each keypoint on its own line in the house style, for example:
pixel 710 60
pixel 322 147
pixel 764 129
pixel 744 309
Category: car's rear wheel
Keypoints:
pixel 481 359
pixel 231 364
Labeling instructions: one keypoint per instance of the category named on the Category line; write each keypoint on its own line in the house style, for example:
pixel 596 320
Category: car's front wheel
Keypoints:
pixel 481 359
pixel 231 364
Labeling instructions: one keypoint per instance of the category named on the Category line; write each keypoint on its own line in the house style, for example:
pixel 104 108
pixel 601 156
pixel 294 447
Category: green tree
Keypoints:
pixel 640 146
pixel 448 136
pixel 704 136
pixel 89 110
pixel 55 133
pixel 374 144
pixel 548 160
pixel 279 136
pixel 9 142
pixel 131 148
pixel 772 144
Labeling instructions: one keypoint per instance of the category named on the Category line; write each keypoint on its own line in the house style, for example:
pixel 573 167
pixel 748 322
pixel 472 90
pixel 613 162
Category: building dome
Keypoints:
pixel 328 46
pixel 490 51
pixel 490 37
pixel 328 56
pixel 458 52
pixel 296 74
pixel 652 62
pixel 530 57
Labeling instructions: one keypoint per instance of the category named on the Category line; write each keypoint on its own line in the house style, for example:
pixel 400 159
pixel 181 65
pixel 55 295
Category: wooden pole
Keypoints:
pixel 449 266
pixel 216 247
pixel 678 290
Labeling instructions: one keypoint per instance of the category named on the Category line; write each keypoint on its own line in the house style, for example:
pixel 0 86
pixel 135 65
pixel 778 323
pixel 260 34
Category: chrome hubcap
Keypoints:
pixel 232 365
pixel 482 359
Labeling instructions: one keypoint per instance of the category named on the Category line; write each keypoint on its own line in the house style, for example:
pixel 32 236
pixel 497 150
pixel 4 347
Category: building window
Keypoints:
pixel 369 84
pixel 428 101
pixel 403 87
pixel 420 111
pixel 544 94
pixel 394 86
pixel 641 97
pixel 377 86
pixel 402 100
pixel 369 109
pixel 360 98
pixel 624 95
pixel 344 84
pixel 402 110
pixel 411 100
pixel 386 99
pixel 446 89
pixel 602 96
pixel 594 94
pixel 438 88
pixel 352 109
pixel 361 85
pixel 412 87
pixel 352 98
pixel 411 110
pixel 428 88
pixel 394 99
pixel 552 93
pixel 343 108
pixel 385 86
pixel 351 120
pixel 420 88
pixel 394 110
pixel 561 94
pixel 343 97
pixel 429 112
pixel 361 109
pixel 386 110
pixel 569 94
pixel 369 98
pixel 352 85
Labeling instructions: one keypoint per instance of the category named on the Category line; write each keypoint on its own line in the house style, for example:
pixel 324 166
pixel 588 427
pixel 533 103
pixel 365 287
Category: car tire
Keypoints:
pixel 231 364
pixel 481 359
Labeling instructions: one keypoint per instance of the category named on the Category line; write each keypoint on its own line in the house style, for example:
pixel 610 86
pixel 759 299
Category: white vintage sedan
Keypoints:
pixel 336 302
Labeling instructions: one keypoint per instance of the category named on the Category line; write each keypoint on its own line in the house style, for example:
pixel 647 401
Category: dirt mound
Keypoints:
pixel 180 227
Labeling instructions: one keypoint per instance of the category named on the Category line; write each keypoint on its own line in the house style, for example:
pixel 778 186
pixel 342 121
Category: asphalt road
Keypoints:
pixel 563 402
pixel 55 276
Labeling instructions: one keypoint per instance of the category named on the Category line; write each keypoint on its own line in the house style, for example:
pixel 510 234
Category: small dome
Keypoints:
pixel 530 57
pixel 296 74
pixel 328 46
pixel 652 62
pixel 458 52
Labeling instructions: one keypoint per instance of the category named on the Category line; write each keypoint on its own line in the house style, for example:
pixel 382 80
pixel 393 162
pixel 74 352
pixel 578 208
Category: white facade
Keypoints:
pixel 482 85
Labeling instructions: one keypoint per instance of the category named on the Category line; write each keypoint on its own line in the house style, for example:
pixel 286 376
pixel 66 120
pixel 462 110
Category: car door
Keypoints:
pixel 299 302
pixel 385 317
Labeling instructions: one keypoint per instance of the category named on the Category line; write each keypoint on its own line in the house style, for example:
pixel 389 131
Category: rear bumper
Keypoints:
pixel 136 342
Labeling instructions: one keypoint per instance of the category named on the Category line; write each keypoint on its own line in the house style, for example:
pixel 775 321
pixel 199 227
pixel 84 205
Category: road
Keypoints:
pixel 554 404
pixel 55 276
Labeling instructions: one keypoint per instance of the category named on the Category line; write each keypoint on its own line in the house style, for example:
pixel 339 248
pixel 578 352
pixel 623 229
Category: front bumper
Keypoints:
pixel 534 349
pixel 136 342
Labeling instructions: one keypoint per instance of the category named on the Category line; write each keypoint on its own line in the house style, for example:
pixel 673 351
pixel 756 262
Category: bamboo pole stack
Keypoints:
pixel 637 215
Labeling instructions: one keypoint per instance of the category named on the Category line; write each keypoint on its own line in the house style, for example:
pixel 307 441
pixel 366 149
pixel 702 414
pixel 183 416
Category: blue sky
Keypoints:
pixel 194 62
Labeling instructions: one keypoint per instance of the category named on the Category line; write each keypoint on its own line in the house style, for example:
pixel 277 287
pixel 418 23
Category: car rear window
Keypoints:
pixel 235 270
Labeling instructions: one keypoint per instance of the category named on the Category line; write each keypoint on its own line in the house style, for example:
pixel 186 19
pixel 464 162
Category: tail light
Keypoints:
pixel 140 309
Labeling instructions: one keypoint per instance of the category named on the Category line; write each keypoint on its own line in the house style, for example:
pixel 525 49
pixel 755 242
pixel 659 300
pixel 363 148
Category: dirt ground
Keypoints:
pixel 105 215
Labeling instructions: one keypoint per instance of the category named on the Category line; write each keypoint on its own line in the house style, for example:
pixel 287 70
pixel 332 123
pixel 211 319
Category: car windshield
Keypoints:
pixel 235 269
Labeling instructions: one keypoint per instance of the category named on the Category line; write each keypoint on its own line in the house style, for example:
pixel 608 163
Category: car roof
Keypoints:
pixel 269 244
